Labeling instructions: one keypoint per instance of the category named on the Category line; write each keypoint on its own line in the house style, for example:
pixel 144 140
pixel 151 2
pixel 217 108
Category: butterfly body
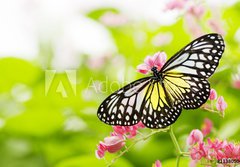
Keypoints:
pixel 157 75
pixel 158 100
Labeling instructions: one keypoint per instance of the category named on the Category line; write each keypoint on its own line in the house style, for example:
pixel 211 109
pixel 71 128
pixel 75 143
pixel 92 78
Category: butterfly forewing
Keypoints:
pixel 123 106
pixel 199 58
pixel 186 72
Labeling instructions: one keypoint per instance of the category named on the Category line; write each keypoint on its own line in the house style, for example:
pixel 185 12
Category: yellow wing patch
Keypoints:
pixel 177 86
pixel 156 95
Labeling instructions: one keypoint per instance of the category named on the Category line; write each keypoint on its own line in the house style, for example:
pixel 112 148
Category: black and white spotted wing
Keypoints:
pixel 144 100
pixel 200 58
pixel 157 110
pixel 186 72
pixel 123 106
pixel 191 90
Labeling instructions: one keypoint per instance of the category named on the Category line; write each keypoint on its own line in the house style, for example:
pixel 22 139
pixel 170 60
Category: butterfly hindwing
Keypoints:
pixel 191 90
pixel 123 106
pixel 157 111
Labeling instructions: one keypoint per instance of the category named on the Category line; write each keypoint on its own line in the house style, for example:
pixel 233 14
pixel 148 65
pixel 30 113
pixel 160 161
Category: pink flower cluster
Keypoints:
pixel 111 144
pixel 221 105
pixel 211 150
pixel 157 60
pixel 116 140
pixel 194 9
pixel 216 26
pixel 193 12
pixel 128 131
pixel 191 8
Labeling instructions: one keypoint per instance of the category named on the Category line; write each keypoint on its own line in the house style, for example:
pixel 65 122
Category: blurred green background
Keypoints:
pixel 60 59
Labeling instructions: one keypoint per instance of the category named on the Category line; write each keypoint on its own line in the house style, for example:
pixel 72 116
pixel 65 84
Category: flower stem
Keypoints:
pixel 176 145
pixel 135 142
pixel 175 142
pixel 178 160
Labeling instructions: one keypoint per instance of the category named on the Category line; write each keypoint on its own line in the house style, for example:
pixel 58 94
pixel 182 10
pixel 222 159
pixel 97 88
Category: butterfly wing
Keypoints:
pixel 191 90
pixel 157 110
pixel 186 72
pixel 123 107
pixel 199 58
pixel 144 100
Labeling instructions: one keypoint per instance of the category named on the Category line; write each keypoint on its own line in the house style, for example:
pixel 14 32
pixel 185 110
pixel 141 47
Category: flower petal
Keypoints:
pixel 195 136
pixel 221 104
pixel 213 94
pixel 143 68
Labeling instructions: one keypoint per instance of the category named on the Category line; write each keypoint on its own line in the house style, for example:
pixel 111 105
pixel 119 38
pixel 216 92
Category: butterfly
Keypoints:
pixel 158 100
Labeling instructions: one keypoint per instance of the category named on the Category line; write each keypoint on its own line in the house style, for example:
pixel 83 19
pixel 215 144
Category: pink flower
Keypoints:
pixel 157 60
pixel 130 131
pixel 231 150
pixel 157 164
pixel 216 144
pixel 221 104
pixel 196 10
pixel 113 19
pixel 198 152
pixel 193 25
pixel 236 84
pixel 100 152
pixel 220 154
pixel 216 26
pixel 195 136
pixel 213 94
pixel 119 130
pixel 195 154
pixel 175 4
pixel 140 125
pixel 111 144
pixel 207 126
pixel 236 81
